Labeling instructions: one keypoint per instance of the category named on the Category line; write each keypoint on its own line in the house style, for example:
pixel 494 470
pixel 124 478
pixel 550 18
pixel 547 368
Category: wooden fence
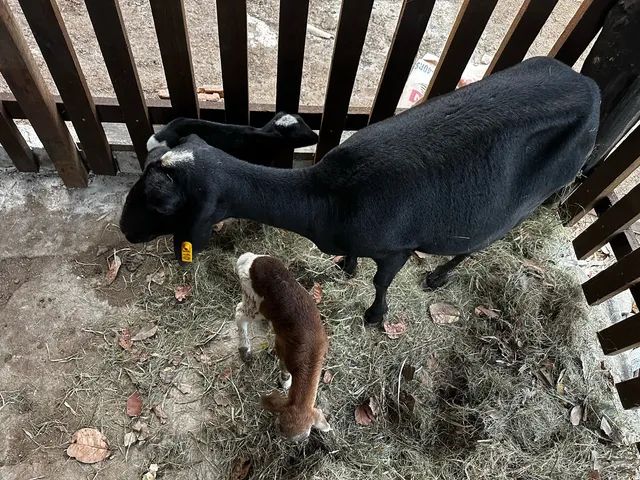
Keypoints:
pixel 31 99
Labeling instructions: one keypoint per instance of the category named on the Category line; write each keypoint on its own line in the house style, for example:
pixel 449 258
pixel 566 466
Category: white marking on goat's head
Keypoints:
pixel 286 121
pixel 173 157
pixel 153 143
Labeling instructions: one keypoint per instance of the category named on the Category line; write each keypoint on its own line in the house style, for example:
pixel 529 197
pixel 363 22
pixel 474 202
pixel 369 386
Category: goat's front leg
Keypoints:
pixel 348 265
pixel 244 343
pixel 440 276
pixel 388 267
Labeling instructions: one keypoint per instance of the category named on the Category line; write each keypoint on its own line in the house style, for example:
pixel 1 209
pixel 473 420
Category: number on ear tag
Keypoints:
pixel 186 252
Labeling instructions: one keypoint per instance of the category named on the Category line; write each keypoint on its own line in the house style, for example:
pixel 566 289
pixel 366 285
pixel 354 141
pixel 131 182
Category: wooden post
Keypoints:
pixel 15 145
pixel 26 83
pixel 51 34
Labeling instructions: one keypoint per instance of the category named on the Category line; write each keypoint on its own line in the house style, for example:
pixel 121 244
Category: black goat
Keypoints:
pixel 448 177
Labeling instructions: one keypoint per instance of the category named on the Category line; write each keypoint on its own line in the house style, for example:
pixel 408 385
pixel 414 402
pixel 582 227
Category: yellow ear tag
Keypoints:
pixel 186 252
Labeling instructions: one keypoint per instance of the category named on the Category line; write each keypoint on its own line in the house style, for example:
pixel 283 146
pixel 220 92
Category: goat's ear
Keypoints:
pixel 162 192
pixel 320 422
pixel 274 402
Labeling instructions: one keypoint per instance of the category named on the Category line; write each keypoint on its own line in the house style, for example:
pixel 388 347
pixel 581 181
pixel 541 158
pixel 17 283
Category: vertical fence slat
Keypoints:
pixel 523 31
pixel 629 393
pixel 51 34
pixel 621 336
pixel 352 29
pixel 582 28
pixel 112 37
pixel 15 145
pixel 292 31
pixel 618 277
pixel 467 29
pixel 173 39
pixel 605 178
pixel 411 26
pixel 612 221
pixel 25 81
pixel 232 33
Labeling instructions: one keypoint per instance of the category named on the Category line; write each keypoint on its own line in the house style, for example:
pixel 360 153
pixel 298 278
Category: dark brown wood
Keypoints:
pixel 352 29
pixel 51 34
pixel 161 113
pixel 112 37
pixel 232 33
pixel 629 392
pixel 621 336
pixel 411 26
pixel 614 220
pixel 15 145
pixel 523 31
pixel 25 81
pixel 618 277
pixel 292 32
pixel 582 28
pixel 605 178
pixel 467 29
pixel 173 40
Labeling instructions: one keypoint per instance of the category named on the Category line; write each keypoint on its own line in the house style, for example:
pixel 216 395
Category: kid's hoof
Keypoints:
pixel 245 354
pixel 285 382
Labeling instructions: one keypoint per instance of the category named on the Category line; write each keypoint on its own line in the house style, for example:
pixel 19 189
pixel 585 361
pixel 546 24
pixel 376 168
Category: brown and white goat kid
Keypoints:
pixel 269 291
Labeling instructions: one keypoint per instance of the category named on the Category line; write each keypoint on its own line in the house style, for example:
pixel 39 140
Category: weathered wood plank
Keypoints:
pixel 112 37
pixel 621 336
pixel 232 33
pixel 467 29
pixel 25 81
pixel 582 28
pixel 410 29
pixel 618 277
pixel 15 145
pixel 352 29
pixel 53 39
pixel 523 31
pixel 173 39
pixel 629 393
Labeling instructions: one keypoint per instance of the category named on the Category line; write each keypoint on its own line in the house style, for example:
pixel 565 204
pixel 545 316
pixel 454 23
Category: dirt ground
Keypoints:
pixel 58 318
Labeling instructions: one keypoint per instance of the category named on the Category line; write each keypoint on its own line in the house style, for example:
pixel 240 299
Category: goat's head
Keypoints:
pixel 295 422
pixel 171 197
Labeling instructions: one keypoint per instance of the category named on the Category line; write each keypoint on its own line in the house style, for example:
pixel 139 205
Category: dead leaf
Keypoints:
pixel 134 404
pixel 129 439
pixel 141 429
pixel 88 445
pixel 337 258
pixel 159 412
pixel 420 255
pixel 113 267
pixel 605 426
pixel 408 400
pixel 594 475
pixel 124 340
pixel 408 372
pixel 184 388
pixel 157 277
pixel 221 399
pixel 576 415
pixel 316 292
pixel 483 311
pixel 240 468
pixel 225 374
pixel 560 383
pixel 327 377
pixel 443 313
pixel 395 330
pixel 182 292
pixel 367 412
pixel 145 332
pixel 151 474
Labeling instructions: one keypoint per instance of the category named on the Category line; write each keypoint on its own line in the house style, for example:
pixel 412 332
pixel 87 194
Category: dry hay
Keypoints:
pixel 481 398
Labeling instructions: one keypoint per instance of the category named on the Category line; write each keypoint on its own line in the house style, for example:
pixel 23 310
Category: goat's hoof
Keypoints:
pixel 373 318
pixel 434 281
pixel 285 382
pixel 245 354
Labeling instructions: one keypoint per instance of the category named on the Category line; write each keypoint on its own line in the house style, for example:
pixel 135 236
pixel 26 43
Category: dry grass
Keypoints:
pixel 483 401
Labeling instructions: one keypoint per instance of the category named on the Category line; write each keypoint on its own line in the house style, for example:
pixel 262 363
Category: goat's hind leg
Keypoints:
pixel 388 267
pixel 441 275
